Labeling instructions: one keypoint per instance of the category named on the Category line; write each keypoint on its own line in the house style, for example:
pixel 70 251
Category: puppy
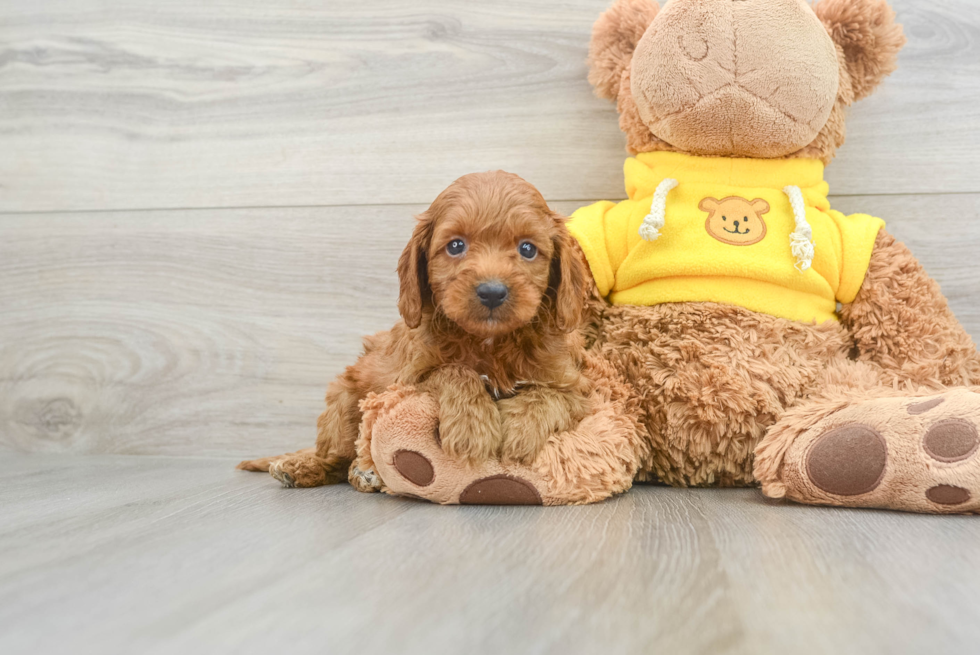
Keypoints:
pixel 491 291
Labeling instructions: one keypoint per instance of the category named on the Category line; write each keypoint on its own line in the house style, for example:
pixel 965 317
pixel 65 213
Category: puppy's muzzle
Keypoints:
pixel 491 294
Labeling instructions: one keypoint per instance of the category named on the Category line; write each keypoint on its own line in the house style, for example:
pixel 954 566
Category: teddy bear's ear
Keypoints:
pixel 759 206
pixel 614 37
pixel 869 36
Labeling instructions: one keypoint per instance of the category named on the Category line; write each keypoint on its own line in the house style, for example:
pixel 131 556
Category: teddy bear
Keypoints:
pixel 740 331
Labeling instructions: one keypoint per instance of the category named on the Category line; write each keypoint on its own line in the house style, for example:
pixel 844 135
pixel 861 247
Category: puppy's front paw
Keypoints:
pixel 528 420
pixel 523 439
pixel 472 435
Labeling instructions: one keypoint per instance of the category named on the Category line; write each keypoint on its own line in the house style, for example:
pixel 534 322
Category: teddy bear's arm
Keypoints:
pixel 901 321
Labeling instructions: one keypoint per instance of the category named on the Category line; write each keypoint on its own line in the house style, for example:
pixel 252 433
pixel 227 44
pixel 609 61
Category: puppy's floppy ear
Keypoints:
pixel 569 276
pixel 869 36
pixel 614 37
pixel 413 273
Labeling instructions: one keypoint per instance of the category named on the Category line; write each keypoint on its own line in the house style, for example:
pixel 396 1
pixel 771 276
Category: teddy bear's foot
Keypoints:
pixel 399 440
pixel 406 453
pixel 914 454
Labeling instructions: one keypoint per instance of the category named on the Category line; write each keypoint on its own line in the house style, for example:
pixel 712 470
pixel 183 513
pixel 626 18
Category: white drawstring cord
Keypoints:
pixel 801 240
pixel 654 221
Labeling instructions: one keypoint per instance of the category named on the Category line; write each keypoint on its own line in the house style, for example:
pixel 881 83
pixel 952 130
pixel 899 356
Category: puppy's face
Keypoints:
pixel 489 268
pixel 491 253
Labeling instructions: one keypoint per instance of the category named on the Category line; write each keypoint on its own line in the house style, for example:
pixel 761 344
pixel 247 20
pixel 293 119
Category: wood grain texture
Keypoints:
pixel 141 104
pixel 186 332
pixel 112 554
pixel 215 332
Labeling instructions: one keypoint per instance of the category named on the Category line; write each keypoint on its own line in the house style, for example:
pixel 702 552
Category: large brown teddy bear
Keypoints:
pixel 741 332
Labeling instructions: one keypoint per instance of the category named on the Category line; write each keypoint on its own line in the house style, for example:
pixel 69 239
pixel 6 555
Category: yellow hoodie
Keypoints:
pixel 757 233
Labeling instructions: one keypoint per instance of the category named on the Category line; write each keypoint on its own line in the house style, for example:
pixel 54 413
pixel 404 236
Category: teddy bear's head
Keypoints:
pixel 741 78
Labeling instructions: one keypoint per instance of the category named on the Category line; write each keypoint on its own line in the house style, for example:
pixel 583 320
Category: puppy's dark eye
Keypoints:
pixel 456 247
pixel 528 250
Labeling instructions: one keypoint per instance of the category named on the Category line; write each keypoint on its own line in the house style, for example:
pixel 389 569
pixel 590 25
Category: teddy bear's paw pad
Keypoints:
pixel 414 467
pixel 847 461
pixel 500 490
pixel 946 494
pixel 951 440
pixel 925 406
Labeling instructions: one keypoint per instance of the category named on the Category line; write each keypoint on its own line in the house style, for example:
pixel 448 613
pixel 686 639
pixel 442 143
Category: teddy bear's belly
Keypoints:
pixel 711 379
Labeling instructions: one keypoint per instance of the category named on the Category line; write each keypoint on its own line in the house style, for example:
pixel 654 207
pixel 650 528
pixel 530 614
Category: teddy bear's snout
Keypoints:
pixel 723 77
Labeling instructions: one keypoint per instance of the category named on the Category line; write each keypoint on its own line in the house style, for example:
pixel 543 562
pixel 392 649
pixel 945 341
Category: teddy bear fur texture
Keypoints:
pixel 877 409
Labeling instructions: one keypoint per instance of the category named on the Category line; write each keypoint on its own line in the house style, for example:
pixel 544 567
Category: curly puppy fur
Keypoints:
pixel 461 349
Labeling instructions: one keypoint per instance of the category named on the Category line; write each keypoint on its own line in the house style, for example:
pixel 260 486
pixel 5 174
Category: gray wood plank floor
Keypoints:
pixel 114 554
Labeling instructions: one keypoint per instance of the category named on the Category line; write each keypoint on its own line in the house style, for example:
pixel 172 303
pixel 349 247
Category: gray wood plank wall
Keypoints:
pixel 201 205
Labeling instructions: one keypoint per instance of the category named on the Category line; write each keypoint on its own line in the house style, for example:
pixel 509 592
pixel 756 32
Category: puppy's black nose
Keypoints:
pixel 492 294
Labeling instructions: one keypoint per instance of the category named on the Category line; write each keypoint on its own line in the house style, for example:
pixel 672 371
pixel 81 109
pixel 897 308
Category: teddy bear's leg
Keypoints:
pixel 399 441
pixel 877 447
